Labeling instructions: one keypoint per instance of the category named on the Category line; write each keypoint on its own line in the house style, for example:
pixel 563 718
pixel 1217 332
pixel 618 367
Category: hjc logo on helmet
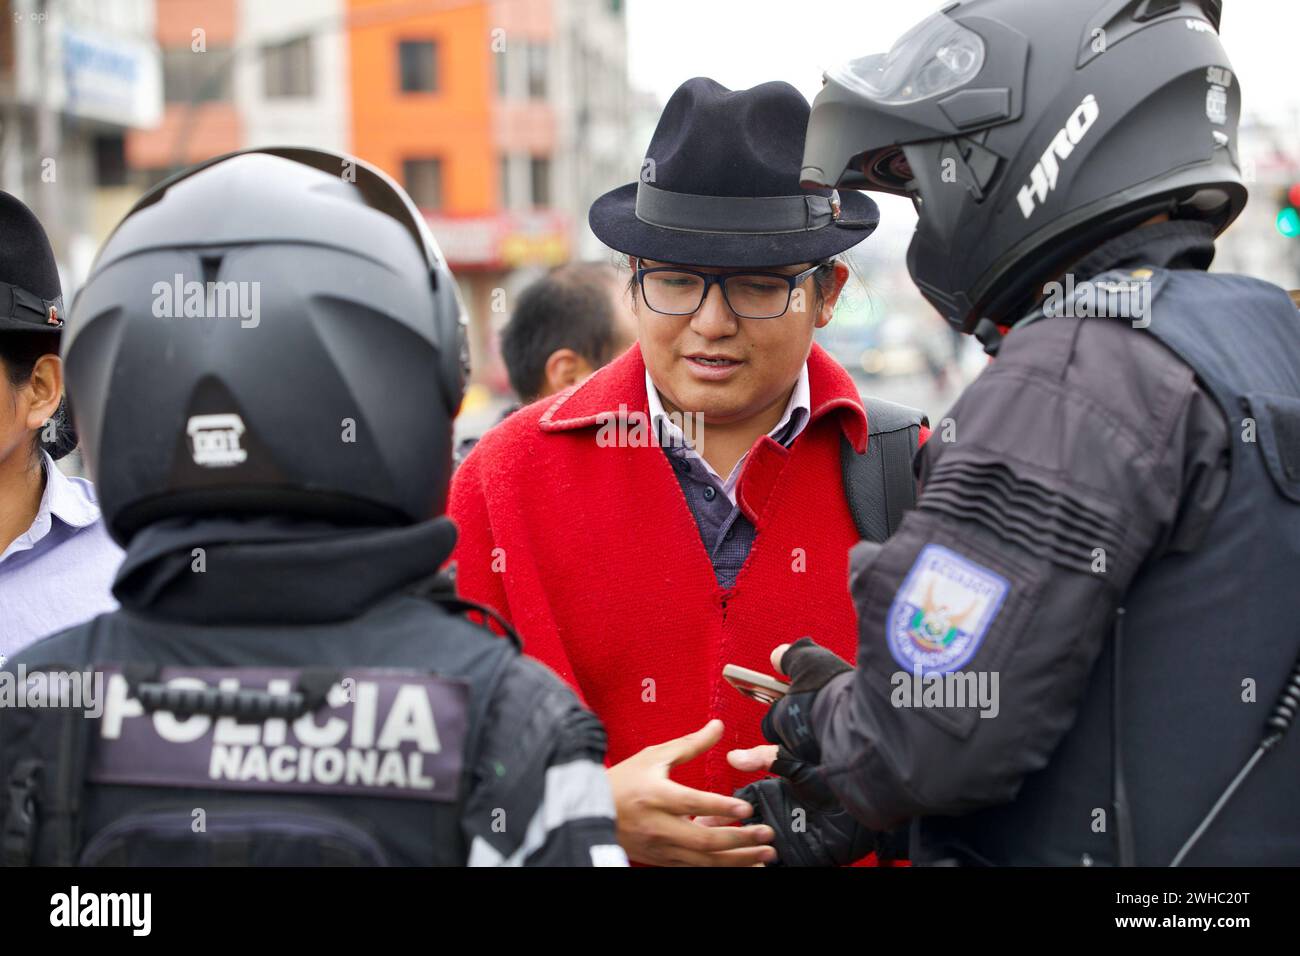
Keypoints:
pixel 214 440
pixel 1046 171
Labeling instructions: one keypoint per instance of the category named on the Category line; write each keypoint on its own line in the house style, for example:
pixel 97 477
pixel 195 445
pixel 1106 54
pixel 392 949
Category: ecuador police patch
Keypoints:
pixel 940 615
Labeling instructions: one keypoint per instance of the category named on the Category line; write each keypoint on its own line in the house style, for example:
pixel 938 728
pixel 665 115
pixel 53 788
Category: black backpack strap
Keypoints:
pixel 441 590
pixel 879 483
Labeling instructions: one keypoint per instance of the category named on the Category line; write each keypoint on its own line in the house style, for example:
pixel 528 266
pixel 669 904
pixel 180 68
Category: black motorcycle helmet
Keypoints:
pixel 273 331
pixel 1028 133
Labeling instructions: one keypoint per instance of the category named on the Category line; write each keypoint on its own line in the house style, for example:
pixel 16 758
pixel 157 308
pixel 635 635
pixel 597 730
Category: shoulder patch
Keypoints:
pixel 941 614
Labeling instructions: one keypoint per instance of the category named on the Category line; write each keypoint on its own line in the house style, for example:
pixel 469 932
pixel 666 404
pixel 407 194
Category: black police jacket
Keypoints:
pixel 274 692
pixel 1147 463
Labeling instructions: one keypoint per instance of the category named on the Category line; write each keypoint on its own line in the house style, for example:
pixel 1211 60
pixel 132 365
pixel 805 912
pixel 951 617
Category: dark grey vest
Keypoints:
pixel 356 785
pixel 1199 630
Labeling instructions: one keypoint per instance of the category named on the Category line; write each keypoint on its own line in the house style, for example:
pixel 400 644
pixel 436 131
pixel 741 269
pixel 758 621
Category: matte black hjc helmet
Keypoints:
pixel 273 331
pixel 1027 133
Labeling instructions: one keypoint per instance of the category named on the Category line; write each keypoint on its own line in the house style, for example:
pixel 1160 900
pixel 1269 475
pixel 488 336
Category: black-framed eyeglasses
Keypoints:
pixel 674 290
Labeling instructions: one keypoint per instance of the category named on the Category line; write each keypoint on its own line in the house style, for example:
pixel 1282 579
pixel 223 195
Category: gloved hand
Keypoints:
pixel 817 834
pixel 789 721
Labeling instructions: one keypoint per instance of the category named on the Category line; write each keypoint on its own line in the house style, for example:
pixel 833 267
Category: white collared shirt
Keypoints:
pixel 798 409
pixel 59 572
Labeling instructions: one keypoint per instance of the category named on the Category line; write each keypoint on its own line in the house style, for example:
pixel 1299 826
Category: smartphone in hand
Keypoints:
pixel 764 688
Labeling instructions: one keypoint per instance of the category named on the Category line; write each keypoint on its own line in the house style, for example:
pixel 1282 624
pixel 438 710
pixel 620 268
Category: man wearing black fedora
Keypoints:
pixel 687 504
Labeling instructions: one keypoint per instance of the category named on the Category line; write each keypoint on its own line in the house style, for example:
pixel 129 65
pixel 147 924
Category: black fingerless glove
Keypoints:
pixel 789 721
pixel 806 835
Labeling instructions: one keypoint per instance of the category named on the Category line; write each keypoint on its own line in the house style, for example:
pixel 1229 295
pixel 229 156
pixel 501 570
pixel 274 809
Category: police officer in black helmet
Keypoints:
pixel 1108 535
pixel 265 364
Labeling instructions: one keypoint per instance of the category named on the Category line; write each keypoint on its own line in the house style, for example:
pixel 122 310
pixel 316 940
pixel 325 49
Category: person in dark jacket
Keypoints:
pixel 265 364
pixel 1080 647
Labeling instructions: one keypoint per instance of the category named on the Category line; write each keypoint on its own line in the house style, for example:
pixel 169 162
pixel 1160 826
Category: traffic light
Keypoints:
pixel 1288 218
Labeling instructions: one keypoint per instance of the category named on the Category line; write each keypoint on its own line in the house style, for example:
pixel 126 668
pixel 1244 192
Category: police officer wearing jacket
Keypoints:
pixel 1109 534
pixel 265 364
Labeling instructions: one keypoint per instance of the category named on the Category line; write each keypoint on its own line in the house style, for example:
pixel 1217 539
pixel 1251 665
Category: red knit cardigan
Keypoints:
pixel 593 555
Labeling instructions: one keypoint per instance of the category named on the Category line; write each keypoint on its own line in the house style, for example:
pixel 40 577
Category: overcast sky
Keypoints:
pixel 741 43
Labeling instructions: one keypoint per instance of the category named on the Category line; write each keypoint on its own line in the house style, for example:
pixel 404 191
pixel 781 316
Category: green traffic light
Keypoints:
pixel 1288 222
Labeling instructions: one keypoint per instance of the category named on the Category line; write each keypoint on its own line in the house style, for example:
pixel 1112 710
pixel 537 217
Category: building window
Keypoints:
pixel 110 160
pixel 540 170
pixel 193 77
pixel 423 180
pixel 417 62
pixel 537 71
pixel 286 68
pixel 505 182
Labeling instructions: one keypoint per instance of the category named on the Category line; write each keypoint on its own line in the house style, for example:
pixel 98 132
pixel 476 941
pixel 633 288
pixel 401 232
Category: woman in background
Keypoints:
pixel 56 559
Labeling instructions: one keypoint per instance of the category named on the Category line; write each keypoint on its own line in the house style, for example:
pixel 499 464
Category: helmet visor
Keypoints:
pixel 936 56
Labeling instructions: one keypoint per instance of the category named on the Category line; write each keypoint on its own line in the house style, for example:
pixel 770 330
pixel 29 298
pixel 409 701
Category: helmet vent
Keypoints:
pixel 211 268
pixel 1156 8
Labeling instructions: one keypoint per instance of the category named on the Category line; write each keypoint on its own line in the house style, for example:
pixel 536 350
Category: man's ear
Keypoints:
pixel 564 367
pixel 44 390
pixel 833 296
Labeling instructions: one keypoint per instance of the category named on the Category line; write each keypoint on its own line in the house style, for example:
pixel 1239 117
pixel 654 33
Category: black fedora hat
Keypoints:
pixel 31 299
pixel 720 186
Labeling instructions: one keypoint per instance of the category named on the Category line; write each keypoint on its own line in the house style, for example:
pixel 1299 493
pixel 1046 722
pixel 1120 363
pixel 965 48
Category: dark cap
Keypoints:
pixel 31 299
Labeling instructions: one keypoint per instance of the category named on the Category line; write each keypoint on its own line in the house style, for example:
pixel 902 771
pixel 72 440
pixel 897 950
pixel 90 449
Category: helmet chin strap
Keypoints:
pixel 989 335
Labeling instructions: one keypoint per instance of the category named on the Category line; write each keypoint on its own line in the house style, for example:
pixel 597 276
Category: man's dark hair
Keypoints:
pixel 571 307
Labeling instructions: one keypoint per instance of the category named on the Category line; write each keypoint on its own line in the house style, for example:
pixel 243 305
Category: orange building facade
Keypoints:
pixel 472 105
pixel 451 123
pixel 451 100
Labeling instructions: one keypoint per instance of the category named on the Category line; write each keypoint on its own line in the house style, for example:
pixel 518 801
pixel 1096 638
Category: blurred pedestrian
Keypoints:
pixel 688 502
pixel 572 321
pixel 567 324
